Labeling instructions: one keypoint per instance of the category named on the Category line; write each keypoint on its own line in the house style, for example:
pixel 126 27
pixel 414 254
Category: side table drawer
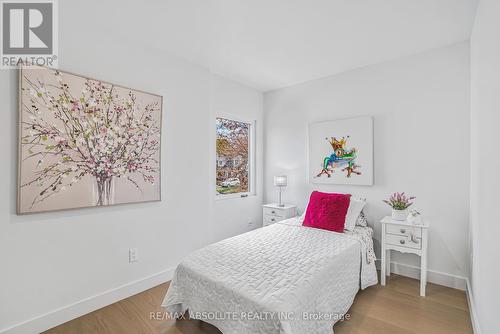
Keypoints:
pixel 403 241
pixel 268 220
pixel 273 212
pixel 404 230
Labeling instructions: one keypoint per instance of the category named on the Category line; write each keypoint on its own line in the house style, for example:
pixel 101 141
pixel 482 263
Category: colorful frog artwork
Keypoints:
pixel 342 158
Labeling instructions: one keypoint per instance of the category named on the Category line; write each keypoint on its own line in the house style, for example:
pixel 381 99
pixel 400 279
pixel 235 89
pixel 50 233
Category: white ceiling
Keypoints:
pixel 269 44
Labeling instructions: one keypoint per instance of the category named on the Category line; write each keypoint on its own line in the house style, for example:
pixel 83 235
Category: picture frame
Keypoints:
pixel 84 142
pixel 341 151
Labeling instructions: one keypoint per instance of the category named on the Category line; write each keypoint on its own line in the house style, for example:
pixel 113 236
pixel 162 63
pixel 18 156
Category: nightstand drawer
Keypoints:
pixel 268 220
pixel 404 230
pixel 403 241
pixel 273 212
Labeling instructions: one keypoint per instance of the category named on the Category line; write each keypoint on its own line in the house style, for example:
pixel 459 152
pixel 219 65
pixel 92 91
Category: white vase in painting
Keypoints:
pixel 104 191
pixel 399 214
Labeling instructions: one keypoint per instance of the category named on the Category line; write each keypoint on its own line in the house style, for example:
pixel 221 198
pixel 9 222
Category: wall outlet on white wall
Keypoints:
pixel 133 255
pixel 250 222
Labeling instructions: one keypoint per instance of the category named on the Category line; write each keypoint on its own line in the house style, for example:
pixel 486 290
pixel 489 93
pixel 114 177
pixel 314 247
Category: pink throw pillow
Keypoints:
pixel 327 211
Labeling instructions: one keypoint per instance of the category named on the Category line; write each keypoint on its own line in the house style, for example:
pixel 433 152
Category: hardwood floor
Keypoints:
pixel 395 308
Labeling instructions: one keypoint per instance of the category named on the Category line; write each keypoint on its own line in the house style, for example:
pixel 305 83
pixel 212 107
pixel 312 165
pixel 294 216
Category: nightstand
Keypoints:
pixel 405 238
pixel 273 213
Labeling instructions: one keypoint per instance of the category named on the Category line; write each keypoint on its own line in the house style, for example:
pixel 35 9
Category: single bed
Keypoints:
pixel 283 278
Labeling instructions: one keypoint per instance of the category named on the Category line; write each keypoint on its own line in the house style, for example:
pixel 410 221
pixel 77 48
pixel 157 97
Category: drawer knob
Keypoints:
pixel 273 211
pixel 402 242
pixel 272 219
pixel 403 230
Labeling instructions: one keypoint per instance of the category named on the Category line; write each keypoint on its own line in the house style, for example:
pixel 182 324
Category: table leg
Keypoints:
pixel 423 278
pixel 383 255
pixel 388 261
pixel 423 265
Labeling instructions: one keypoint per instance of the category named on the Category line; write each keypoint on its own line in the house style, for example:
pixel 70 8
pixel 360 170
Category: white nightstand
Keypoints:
pixel 273 213
pixel 396 235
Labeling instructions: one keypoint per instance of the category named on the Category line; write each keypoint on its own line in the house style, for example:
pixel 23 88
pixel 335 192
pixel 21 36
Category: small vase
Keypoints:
pixel 400 215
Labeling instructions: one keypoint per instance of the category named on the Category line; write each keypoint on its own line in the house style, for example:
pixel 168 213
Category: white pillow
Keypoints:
pixel 356 204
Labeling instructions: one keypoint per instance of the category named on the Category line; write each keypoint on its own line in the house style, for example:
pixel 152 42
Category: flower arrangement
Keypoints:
pixel 399 201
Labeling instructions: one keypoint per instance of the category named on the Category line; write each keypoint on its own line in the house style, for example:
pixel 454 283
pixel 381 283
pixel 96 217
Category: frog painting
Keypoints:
pixel 342 159
pixel 341 151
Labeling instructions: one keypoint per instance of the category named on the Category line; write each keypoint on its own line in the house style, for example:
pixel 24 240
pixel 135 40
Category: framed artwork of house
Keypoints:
pixel 341 151
pixel 85 142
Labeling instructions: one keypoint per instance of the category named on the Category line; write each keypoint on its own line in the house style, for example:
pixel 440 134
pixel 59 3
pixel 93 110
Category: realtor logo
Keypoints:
pixel 29 33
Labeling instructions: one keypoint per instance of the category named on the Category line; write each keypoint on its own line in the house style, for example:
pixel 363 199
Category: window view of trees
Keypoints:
pixel 232 156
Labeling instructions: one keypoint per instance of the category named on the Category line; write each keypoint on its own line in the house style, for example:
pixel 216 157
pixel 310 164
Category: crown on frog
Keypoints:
pixel 338 143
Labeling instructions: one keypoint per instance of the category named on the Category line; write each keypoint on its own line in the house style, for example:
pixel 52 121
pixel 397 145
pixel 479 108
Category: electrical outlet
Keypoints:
pixel 133 255
pixel 250 222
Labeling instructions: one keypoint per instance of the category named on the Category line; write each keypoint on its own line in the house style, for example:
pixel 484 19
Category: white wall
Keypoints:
pixel 420 106
pixel 485 164
pixel 53 260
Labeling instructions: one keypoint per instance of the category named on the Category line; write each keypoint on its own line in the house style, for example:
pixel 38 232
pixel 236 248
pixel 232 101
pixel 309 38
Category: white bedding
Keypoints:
pixel 284 278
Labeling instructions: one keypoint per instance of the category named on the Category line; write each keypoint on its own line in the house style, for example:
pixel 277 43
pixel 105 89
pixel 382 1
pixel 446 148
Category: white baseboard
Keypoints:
pixel 87 305
pixel 436 277
pixel 472 309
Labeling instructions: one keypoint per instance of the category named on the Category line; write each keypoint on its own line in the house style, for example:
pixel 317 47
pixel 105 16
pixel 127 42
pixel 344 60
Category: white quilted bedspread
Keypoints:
pixel 284 278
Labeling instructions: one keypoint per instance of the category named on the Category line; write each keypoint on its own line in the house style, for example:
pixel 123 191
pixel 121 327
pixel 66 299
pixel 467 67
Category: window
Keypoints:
pixel 234 156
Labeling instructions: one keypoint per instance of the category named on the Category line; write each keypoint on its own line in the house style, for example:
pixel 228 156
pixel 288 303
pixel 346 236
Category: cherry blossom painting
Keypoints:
pixel 84 142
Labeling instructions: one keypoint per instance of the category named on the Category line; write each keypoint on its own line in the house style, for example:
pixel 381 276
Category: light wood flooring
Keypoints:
pixel 395 308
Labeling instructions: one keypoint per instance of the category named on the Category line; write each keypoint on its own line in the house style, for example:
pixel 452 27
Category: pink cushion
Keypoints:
pixel 327 211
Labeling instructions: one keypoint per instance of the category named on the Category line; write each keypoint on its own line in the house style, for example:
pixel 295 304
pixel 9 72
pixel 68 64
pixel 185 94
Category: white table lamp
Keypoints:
pixel 280 182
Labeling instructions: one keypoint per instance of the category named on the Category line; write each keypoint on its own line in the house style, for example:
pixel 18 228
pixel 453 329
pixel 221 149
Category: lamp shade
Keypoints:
pixel 280 181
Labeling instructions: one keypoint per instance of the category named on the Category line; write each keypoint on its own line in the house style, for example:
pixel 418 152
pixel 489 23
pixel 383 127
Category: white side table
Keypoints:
pixel 273 213
pixel 405 238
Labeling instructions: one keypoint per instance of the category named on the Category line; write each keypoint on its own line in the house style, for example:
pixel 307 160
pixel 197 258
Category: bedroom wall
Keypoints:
pixel 56 266
pixel 420 106
pixel 485 163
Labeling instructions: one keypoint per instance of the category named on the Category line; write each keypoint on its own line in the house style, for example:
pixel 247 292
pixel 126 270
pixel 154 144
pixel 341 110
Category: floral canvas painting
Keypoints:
pixel 341 152
pixel 85 142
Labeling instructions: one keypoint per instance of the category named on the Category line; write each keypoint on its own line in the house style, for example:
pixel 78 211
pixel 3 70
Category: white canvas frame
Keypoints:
pixel 360 132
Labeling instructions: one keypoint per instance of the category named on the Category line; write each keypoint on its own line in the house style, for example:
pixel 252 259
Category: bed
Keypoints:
pixel 283 278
